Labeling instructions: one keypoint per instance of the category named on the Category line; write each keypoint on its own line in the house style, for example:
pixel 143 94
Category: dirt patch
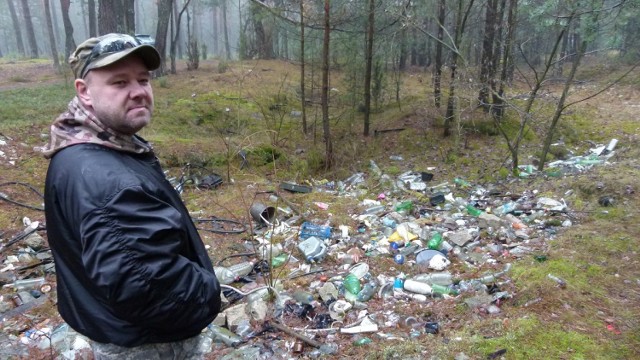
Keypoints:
pixel 16 75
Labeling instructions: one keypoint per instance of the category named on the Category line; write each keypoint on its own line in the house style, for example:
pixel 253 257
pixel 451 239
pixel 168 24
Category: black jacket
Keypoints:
pixel 130 265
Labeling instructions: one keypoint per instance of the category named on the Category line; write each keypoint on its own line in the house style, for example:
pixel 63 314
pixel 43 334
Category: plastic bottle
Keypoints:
pixel 352 284
pixel 404 206
pixel 224 275
pixel 242 269
pixel 417 287
pixel 346 259
pixel 374 167
pixel 313 249
pixel 218 333
pixel 443 278
pixel 388 222
pixel 435 241
pixel 303 297
pixel 408 250
pixel 507 208
pixel 367 292
pixel 398 283
pixel 309 229
pixel 269 251
pixel 461 182
pixel 376 209
pixel 205 341
pixel 362 341
pixel 279 260
pixel 28 284
pixel 441 289
pixel 473 211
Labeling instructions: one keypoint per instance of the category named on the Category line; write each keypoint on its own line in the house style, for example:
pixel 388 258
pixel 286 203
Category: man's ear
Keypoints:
pixel 82 90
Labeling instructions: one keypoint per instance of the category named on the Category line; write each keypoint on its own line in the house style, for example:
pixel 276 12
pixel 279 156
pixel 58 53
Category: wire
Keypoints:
pixel 235 255
pixel 247 293
pixel 221 226
pixel 5 197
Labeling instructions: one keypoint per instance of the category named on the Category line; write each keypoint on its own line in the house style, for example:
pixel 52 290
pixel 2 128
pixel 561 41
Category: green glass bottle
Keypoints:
pixel 440 289
pixel 461 182
pixel 473 211
pixel 405 206
pixel 435 241
pixel 352 284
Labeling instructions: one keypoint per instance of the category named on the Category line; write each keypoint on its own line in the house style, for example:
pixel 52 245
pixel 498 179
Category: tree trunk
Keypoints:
pixel 31 35
pixel 225 29
pixel 325 87
pixel 164 13
pixel 263 41
pixel 215 29
pixel 437 91
pixel 455 55
pixel 507 58
pixel 56 26
pixel 128 16
pixel 495 62
pixel 488 40
pixel 52 36
pixel 16 28
pixel 367 75
pixel 93 28
pixel 83 8
pixel 303 96
pixel 402 59
pixel 176 36
pixel 108 16
pixel 69 42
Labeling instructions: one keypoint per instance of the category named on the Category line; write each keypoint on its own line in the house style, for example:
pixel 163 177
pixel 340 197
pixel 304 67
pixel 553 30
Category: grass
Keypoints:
pixel 206 117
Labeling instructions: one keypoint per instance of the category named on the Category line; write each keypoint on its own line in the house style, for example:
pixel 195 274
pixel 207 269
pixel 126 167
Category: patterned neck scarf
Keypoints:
pixel 79 126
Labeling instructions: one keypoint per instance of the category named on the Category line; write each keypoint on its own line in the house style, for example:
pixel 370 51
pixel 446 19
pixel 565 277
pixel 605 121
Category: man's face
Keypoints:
pixel 119 95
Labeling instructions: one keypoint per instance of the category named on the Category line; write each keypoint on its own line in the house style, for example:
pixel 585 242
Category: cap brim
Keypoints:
pixel 147 53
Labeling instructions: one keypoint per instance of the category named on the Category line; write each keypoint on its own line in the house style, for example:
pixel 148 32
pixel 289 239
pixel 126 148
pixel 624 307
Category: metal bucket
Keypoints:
pixel 262 213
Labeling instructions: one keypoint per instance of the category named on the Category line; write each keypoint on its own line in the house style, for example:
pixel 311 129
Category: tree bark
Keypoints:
pixel 93 28
pixel 303 96
pixel 325 86
pixel 164 13
pixel 437 90
pixel 455 55
pixel 108 16
pixel 69 42
pixel 263 41
pixel 507 61
pixel 56 25
pixel 52 36
pixel 367 75
pixel 225 29
pixel 215 28
pixel 487 54
pixel 31 35
pixel 129 16
pixel 176 36
pixel 16 28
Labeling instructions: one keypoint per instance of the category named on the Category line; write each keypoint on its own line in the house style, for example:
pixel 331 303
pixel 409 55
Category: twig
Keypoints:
pixel 291 332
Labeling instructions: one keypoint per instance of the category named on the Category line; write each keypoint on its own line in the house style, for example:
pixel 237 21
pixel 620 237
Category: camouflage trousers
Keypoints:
pixel 188 349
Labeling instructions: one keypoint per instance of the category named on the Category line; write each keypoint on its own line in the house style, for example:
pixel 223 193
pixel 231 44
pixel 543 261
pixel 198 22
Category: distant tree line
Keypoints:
pixel 476 43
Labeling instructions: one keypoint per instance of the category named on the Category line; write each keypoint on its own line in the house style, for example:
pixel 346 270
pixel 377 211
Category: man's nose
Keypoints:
pixel 137 90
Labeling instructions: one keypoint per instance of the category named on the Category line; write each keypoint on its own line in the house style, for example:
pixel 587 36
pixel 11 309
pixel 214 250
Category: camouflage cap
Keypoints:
pixel 105 50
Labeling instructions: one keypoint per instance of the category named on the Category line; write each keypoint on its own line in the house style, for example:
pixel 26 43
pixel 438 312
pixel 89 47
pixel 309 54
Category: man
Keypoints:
pixel 132 272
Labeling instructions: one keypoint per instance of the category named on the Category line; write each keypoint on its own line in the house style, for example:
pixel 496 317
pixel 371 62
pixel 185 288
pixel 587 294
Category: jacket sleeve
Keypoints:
pixel 132 252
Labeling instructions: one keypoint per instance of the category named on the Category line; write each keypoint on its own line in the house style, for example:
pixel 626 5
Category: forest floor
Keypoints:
pixel 594 314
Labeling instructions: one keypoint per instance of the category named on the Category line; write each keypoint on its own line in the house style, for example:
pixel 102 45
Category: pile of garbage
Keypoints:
pixel 416 244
